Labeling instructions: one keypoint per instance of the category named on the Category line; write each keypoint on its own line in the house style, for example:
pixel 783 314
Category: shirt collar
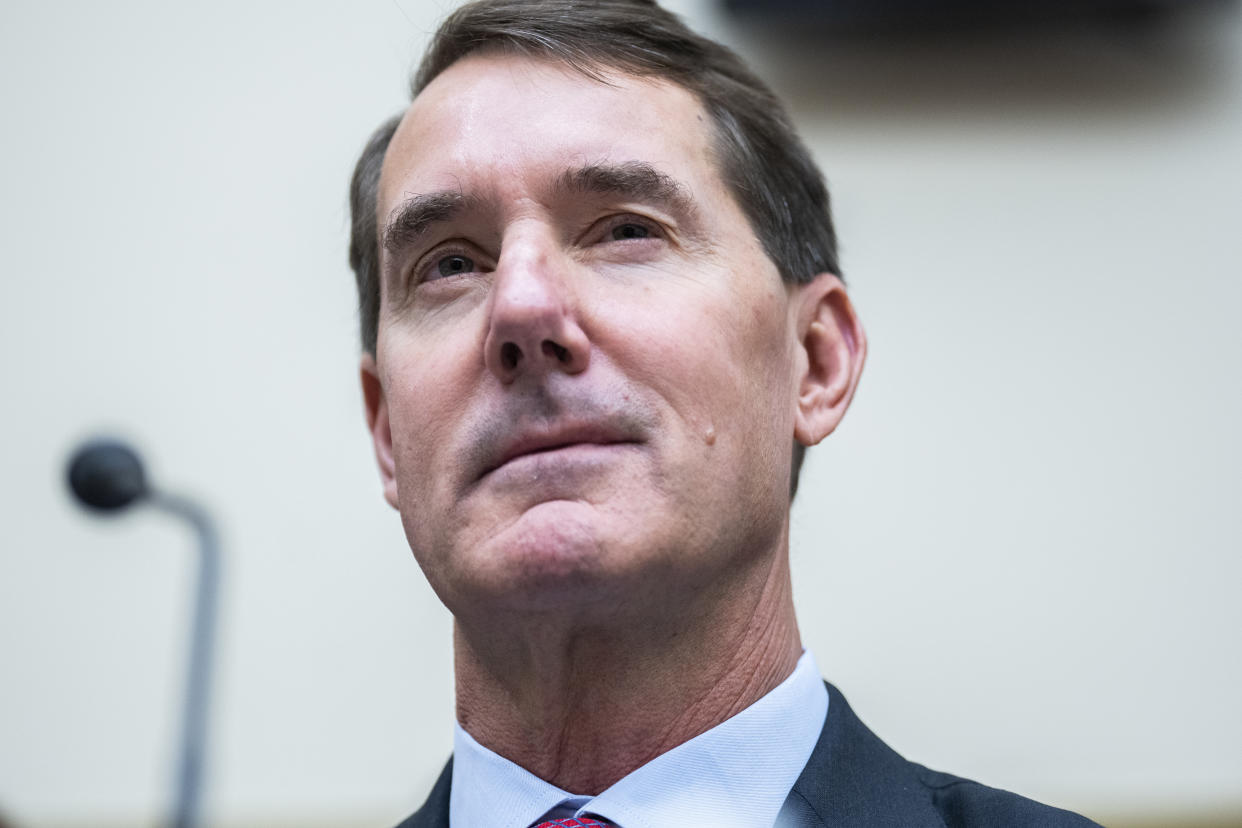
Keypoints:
pixel 736 774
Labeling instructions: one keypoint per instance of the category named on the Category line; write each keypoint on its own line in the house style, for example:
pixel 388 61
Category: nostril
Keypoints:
pixel 558 352
pixel 510 353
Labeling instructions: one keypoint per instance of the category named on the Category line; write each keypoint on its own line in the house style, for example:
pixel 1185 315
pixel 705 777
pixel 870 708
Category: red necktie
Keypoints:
pixel 574 822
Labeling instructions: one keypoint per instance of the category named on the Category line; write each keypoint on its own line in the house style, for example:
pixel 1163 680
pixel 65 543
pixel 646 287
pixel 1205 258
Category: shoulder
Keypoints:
pixel 963 803
pixel 854 779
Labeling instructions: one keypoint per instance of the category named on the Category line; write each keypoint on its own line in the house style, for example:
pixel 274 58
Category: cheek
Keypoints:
pixel 427 389
pixel 722 358
pixel 427 393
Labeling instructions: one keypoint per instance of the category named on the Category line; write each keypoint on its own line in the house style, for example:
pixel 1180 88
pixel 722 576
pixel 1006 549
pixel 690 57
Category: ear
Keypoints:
pixel 834 348
pixel 377 424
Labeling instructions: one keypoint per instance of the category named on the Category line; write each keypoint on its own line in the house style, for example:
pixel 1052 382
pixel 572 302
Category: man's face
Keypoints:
pixel 586 373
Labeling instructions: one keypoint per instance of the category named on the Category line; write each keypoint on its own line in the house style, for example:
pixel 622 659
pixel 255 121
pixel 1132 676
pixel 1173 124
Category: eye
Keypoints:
pixel 455 262
pixel 630 230
pixel 453 265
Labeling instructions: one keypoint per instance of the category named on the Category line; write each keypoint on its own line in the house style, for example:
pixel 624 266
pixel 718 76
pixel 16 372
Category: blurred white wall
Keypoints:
pixel 1018 558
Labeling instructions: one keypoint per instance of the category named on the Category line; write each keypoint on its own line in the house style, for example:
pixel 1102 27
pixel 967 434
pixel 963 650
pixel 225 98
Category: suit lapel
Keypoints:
pixel 853 780
pixel 435 811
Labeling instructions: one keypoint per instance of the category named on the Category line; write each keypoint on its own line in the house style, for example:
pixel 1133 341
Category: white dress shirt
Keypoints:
pixel 736 775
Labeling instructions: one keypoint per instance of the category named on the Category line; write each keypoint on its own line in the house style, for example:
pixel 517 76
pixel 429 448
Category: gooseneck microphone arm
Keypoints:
pixel 107 476
pixel 202 649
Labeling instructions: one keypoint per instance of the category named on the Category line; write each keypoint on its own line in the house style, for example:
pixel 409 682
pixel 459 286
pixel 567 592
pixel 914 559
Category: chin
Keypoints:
pixel 554 552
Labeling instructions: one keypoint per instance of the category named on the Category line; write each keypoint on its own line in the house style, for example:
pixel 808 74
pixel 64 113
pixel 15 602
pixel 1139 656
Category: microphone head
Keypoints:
pixel 107 475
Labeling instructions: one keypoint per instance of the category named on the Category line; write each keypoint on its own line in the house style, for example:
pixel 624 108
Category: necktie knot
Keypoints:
pixel 574 822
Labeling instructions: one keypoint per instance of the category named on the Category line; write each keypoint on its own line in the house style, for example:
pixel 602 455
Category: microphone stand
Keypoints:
pixel 202 648
pixel 108 476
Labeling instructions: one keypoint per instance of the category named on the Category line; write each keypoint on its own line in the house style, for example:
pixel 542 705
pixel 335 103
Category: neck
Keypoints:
pixel 581 706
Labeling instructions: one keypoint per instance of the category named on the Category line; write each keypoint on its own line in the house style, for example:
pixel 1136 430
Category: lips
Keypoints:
pixel 539 441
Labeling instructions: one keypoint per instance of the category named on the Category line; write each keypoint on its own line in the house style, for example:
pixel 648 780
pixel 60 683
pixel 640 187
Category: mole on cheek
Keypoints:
pixel 709 436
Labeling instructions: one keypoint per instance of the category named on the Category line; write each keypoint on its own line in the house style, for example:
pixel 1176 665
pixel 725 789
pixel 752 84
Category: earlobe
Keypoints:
pixel 378 425
pixel 834 349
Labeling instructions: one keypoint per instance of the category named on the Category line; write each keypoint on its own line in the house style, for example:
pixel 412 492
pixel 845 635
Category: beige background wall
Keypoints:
pixel 1019 557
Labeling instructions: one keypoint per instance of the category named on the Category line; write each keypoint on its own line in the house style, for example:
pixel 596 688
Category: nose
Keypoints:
pixel 534 325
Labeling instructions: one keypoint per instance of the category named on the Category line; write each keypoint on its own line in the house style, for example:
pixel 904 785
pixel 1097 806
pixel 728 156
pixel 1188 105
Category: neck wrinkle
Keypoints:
pixel 582 708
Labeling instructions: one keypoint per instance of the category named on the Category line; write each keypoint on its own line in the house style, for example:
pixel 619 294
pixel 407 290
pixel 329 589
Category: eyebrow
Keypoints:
pixel 409 221
pixel 632 180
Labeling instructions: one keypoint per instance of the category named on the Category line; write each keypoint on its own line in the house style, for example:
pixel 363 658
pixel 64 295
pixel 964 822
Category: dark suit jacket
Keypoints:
pixel 853 780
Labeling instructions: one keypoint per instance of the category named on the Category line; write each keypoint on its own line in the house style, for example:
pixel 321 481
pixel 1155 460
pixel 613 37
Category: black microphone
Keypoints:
pixel 107 476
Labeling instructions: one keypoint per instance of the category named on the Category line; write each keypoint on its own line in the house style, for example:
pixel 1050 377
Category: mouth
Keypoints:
pixel 545 442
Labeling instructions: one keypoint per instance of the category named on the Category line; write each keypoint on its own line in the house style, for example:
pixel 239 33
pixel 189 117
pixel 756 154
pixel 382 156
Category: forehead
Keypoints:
pixel 500 125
